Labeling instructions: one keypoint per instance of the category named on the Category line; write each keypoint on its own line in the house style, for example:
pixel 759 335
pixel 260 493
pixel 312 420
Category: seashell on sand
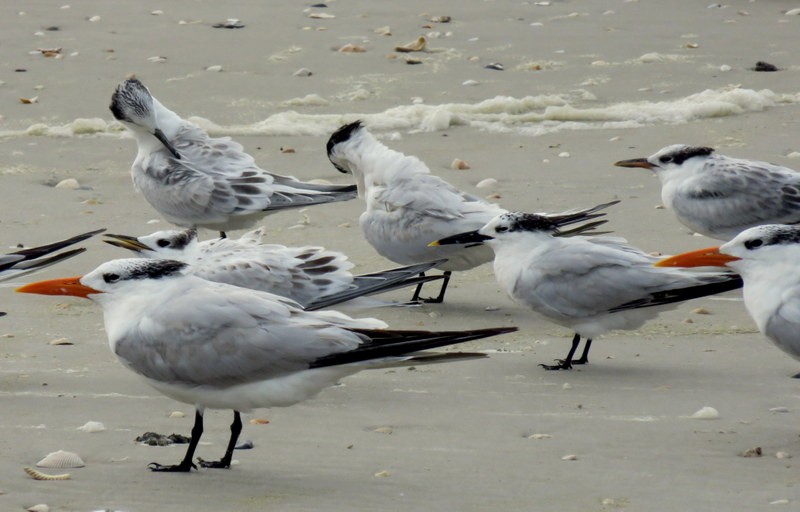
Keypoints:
pixel 459 164
pixel 61 459
pixel 382 474
pixel 61 341
pixel 413 46
pixel 91 427
pixel 383 430
pixel 570 457
pixel 487 183
pixel 352 48
pixel 706 413
pixel 41 507
pixel 69 184
pixel 259 421
pixel 752 452
pixel 38 475
pixel 413 60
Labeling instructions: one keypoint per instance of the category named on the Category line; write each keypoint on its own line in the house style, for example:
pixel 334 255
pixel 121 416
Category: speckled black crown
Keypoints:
pixel 128 96
pixel 155 269
pixel 683 154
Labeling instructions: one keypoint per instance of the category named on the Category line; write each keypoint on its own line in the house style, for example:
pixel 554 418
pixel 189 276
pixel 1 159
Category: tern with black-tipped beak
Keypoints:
pixel 33 259
pixel 591 285
pixel 194 180
pixel 315 277
pixel 768 259
pixel 719 196
pixel 218 346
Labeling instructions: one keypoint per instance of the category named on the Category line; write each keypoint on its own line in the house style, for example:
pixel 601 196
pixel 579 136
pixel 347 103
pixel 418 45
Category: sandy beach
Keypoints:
pixel 583 84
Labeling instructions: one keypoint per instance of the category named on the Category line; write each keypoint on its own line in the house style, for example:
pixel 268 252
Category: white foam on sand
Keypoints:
pixel 530 115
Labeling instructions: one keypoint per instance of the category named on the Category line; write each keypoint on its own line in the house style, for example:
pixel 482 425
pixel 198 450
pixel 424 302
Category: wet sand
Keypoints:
pixel 459 433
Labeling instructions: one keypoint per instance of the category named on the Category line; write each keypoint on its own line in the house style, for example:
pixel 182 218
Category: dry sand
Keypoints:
pixel 459 437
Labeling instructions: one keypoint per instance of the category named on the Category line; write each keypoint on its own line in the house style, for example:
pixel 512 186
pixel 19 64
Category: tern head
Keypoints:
pixel 768 245
pixel 504 227
pixel 340 136
pixel 133 105
pixel 162 244
pixel 669 158
pixel 108 278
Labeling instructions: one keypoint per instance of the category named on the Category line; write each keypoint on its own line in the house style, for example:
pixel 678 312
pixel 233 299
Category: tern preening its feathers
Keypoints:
pixel 719 196
pixel 194 180
pixel 768 259
pixel 214 345
pixel 315 277
pixel 407 207
pixel 589 284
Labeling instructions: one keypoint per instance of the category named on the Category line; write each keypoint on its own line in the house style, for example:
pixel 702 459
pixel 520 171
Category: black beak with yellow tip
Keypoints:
pixel 126 242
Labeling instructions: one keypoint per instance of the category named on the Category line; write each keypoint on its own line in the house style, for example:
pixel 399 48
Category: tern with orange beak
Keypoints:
pixel 591 285
pixel 719 196
pixel 768 259
pixel 214 345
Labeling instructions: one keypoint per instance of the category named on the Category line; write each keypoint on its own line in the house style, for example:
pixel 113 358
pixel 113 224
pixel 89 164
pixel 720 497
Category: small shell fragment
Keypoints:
pixel 441 19
pixel 570 457
pixel 382 474
pixel 384 31
pixel 41 507
pixel 214 69
pixel 91 427
pixel 459 164
pixel 303 72
pixel 94 19
pixel 69 184
pixel 38 475
pixel 352 48
pixel 540 436
pixel 28 101
pixel 495 66
pixel 782 455
pixel 259 421
pixel 487 183
pixel 752 452
pixel 413 61
pixel 61 341
pixel 783 501
pixel 383 430
pixel 413 46
pixel 321 16
pixel 701 311
pixel 177 414
pixel 706 413
pixel 779 409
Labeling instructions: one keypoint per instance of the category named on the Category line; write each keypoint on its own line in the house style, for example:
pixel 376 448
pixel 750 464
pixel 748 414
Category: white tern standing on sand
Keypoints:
pixel 213 345
pixel 591 285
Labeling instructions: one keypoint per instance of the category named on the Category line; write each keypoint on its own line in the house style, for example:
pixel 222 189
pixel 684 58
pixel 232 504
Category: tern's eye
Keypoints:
pixel 111 278
pixel 501 229
pixel 162 243
pixel 665 159
pixel 752 244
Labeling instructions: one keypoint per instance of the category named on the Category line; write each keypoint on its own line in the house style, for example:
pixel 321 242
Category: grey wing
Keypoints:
pixel 784 326
pixel 584 280
pixel 430 196
pixel 735 194
pixel 226 336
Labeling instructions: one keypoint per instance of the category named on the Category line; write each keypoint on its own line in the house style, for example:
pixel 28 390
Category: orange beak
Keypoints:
pixel 708 257
pixel 64 286
pixel 635 162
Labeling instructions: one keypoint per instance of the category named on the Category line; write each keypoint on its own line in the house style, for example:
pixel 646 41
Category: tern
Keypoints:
pixel 768 259
pixel 719 196
pixel 407 207
pixel 214 345
pixel 590 285
pixel 315 277
pixel 194 180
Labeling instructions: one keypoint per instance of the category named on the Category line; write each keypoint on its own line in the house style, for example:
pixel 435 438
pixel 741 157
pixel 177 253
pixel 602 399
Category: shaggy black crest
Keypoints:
pixel 343 134
pixel 680 156
pixel 155 269
pixel 129 96
pixel 531 222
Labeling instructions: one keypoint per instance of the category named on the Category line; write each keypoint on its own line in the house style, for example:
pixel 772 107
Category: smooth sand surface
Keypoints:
pixel 459 433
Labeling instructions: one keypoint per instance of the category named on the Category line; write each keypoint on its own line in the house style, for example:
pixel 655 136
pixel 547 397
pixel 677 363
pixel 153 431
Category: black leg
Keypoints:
pixel 222 234
pixel 186 464
pixel 415 298
pixel 432 300
pixel 585 356
pixel 225 462
pixel 565 364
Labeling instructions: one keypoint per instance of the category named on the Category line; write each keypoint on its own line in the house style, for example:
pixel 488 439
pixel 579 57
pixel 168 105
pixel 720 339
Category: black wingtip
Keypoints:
pixel 343 134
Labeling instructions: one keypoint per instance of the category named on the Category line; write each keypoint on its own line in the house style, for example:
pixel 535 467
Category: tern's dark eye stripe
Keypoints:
pixel 683 154
pixel 155 269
